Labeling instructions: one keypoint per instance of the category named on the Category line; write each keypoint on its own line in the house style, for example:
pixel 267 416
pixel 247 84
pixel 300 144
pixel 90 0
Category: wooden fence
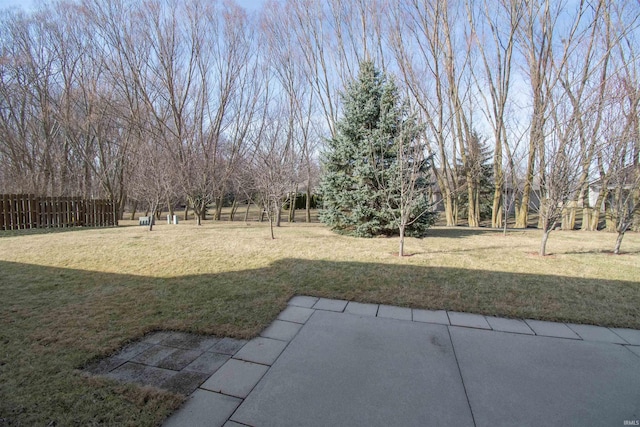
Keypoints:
pixel 22 211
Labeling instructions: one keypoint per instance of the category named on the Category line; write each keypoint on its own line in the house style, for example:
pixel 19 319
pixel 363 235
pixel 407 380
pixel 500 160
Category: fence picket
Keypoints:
pixel 23 211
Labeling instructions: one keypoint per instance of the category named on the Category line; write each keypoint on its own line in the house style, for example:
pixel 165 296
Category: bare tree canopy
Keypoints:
pixel 88 87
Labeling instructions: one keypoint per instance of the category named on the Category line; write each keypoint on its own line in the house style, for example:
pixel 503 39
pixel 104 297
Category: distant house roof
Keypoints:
pixel 628 177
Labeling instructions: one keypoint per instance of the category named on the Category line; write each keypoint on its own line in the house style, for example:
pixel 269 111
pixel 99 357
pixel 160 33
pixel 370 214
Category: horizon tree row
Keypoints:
pixel 525 104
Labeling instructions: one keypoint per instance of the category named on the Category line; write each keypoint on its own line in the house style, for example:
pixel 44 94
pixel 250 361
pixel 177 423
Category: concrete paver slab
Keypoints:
pixel 207 363
pixel 330 304
pixel 102 366
pixel 154 355
pixel 235 378
pixel 141 374
pixel 391 312
pixel 468 320
pixel 303 301
pixel 184 382
pixel 204 409
pixel 295 314
pixel 361 309
pixel 596 333
pixel 190 341
pixel 343 369
pixel 132 350
pixel 430 316
pixel 515 326
pixel 179 359
pixel 261 350
pixel 228 346
pixel 551 329
pixel 156 337
pixel 632 336
pixel 280 330
pixel 634 348
pixel 539 381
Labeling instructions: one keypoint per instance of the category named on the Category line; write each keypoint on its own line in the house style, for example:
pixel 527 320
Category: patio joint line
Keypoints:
pixel 464 386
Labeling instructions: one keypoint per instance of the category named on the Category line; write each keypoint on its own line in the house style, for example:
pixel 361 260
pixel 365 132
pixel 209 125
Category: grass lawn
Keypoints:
pixel 69 297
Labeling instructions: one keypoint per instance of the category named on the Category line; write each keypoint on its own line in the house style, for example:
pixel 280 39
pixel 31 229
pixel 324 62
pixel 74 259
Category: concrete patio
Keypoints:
pixel 331 362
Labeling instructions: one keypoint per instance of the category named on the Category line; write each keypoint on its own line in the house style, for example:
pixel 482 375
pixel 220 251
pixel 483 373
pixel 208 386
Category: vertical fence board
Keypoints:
pixel 25 211
pixel 4 212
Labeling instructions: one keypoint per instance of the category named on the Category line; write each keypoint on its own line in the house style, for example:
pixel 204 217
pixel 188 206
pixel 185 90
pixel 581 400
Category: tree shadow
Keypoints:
pixel 52 230
pixel 54 321
pixel 462 232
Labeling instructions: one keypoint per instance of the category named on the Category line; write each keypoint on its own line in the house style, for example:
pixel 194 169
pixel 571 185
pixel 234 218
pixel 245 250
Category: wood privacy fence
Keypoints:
pixel 21 211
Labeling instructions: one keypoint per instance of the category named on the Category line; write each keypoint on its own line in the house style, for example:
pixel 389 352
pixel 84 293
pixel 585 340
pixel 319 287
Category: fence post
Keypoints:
pixel 4 213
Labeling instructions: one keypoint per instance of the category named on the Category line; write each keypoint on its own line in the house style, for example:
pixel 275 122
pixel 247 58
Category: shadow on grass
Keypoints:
pixel 36 231
pixel 55 320
pixel 463 231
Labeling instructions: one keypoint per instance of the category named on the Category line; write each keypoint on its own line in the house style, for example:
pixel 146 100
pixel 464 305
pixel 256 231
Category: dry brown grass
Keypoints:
pixel 75 295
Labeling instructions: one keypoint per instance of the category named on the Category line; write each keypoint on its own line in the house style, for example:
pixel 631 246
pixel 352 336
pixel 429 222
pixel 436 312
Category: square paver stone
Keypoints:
pixel 468 320
pixel 551 329
pixel 525 380
pixel 103 366
pixel 303 301
pixel 596 333
pixel 141 374
pixel 632 336
pixel 188 341
pixel 179 359
pixel 132 350
pixel 430 316
pixel 207 363
pixel 361 309
pixel 261 350
pixel 330 304
pixel 392 312
pixel 515 326
pixel 154 355
pixel 345 370
pixel 204 408
pixel 295 314
pixel 228 346
pixel 280 330
pixel 184 382
pixel 156 337
pixel 236 378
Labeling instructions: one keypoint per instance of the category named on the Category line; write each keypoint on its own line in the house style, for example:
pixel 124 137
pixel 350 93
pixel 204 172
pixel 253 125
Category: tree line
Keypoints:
pixel 525 104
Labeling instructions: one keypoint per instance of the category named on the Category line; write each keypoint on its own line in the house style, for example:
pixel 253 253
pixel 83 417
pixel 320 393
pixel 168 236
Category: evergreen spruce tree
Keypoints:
pixel 361 188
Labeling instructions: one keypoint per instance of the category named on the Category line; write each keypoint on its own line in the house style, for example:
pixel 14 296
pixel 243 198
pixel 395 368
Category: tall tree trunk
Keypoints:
pixel 401 247
pixel 448 210
pixel 133 210
pixel 292 205
pixel 246 213
pixel 278 210
pixel 472 213
pixel 308 202
pixel 616 249
pixel 543 244
pixel 186 211
pixel 597 210
pixel 234 208
pixel 170 208
pixel 218 214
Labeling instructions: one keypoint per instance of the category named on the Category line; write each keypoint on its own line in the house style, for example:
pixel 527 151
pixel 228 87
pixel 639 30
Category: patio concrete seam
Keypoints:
pixel 621 337
pixel 464 387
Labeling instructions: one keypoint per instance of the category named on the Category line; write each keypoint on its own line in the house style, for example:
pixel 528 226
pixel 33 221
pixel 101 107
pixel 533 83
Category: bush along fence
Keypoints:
pixel 22 211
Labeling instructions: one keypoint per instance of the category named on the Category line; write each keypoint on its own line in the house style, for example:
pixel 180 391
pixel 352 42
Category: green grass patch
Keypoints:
pixel 71 297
